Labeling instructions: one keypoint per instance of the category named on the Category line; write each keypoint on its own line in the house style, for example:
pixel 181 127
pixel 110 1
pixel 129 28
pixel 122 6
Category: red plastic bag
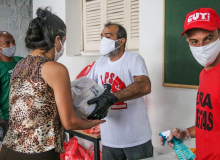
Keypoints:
pixel 91 156
pixel 85 71
pixel 73 150
pixel 95 130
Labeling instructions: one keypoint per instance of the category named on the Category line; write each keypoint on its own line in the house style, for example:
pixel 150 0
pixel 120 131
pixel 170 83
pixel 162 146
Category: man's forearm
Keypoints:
pixel 192 131
pixel 133 91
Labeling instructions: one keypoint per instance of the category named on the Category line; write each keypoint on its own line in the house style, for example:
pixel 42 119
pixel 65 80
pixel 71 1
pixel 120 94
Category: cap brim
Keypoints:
pixel 209 28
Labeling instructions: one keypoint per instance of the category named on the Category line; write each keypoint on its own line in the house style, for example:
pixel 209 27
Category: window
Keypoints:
pixel 98 12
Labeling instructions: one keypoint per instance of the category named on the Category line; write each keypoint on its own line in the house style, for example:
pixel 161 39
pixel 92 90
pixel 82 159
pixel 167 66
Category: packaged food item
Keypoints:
pixel 84 89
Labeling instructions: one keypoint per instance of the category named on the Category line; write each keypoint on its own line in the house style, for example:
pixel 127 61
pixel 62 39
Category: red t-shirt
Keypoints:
pixel 208 115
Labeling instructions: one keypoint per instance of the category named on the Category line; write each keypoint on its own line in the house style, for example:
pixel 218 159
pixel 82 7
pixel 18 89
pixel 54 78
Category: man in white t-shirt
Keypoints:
pixel 126 134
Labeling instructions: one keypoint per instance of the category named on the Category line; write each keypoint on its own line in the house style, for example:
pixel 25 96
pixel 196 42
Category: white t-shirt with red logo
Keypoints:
pixel 127 122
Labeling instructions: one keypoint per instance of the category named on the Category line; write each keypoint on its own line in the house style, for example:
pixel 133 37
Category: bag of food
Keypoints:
pixel 84 89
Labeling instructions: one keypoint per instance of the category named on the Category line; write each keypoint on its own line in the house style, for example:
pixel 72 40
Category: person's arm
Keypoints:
pixel 140 87
pixel 192 131
pixel 57 77
pixel 183 134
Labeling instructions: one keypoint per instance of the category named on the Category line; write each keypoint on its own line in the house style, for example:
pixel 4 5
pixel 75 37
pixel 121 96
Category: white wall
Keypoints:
pixel 167 107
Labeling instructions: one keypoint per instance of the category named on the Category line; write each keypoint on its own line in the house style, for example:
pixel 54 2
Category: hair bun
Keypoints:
pixel 41 13
pixel 43 30
pixel 34 33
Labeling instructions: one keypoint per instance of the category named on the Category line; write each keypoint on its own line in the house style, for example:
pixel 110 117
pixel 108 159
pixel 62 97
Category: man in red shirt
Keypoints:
pixel 202 28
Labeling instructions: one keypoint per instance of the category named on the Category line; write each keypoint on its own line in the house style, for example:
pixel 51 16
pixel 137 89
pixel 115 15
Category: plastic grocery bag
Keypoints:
pixel 91 156
pixel 94 130
pixel 85 71
pixel 73 150
pixel 84 89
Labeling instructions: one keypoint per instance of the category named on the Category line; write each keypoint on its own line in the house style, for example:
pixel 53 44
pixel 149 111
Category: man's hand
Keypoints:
pixel 103 102
pixel 182 134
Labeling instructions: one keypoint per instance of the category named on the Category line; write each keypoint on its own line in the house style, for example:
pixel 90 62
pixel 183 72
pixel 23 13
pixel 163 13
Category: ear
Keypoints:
pixel 122 41
pixel 56 42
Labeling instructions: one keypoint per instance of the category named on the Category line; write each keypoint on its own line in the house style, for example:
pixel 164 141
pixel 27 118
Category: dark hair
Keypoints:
pixel 121 31
pixel 43 30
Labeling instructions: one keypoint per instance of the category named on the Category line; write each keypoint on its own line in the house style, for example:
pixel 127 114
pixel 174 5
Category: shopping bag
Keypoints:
pixel 85 71
pixel 90 156
pixel 73 150
pixel 84 89
pixel 94 130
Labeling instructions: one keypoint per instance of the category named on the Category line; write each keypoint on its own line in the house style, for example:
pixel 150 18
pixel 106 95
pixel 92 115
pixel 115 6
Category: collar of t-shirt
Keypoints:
pixel 117 61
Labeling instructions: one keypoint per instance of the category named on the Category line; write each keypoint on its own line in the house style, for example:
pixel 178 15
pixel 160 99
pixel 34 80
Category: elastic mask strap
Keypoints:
pixel 61 43
pixel 119 45
pixel 55 50
pixel 2 50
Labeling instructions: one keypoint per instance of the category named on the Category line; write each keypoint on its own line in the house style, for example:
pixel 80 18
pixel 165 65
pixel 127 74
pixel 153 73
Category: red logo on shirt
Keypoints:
pixel 114 84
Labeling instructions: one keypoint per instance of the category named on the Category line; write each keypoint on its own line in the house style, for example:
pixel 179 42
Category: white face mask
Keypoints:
pixel 107 46
pixel 207 54
pixel 9 52
pixel 60 53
